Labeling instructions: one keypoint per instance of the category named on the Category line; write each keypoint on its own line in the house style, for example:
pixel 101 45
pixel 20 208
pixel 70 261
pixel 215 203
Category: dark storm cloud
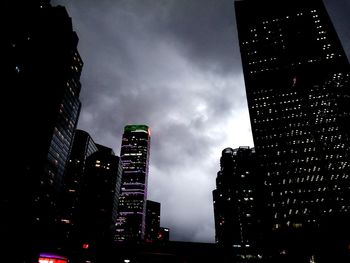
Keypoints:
pixel 339 11
pixel 205 32
pixel 174 65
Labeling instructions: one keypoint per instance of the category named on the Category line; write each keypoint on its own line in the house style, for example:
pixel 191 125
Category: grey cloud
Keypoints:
pixel 174 65
pixel 339 11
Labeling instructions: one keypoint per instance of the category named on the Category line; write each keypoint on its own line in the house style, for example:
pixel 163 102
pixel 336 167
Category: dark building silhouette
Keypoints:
pixel 83 147
pixel 170 252
pixel 41 68
pixel 297 82
pixel 99 199
pixel 152 221
pixel 135 151
pixel 236 204
pixel 163 234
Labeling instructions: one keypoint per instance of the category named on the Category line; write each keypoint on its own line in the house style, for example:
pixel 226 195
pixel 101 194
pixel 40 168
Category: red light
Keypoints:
pixel 85 246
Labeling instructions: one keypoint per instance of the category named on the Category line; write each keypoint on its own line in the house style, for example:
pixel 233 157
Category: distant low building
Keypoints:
pixel 152 221
pixel 163 234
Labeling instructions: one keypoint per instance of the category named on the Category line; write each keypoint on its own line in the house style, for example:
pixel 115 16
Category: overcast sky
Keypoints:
pixel 175 66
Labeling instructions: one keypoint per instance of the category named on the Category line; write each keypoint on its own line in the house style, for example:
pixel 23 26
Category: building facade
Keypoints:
pixel 83 147
pixel 236 204
pixel 99 198
pixel 152 221
pixel 163 235
pixel 297 83
pixel 42 70
pixel 135 151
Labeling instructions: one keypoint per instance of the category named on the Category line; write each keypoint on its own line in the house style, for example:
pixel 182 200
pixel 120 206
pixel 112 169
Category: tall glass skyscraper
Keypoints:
pixel 135 151
pixel 83 147
pixel 41 67
pixel 297 82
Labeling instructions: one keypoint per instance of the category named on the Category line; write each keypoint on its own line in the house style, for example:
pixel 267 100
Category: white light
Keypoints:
pixel 126 260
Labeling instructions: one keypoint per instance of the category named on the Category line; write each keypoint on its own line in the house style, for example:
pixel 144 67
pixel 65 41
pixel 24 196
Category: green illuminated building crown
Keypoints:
pixel 136 127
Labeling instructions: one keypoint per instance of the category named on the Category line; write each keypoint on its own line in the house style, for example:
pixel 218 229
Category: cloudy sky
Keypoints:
pixel 175 66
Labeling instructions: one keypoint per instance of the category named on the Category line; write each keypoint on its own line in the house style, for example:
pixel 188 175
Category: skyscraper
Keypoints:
pixel 236 204
pixel 41 67
pixel 99 198
pixel 83 147
pixel 135 150
pixel 152 221
pixel 297 83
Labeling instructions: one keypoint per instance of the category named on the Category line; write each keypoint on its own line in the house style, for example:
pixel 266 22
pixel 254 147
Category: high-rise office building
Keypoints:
pixel 135 151
pixel 297 83
pixel 41 67
pixel 99 198
pixel 152 221
pixel 236 204
pixel 83 147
